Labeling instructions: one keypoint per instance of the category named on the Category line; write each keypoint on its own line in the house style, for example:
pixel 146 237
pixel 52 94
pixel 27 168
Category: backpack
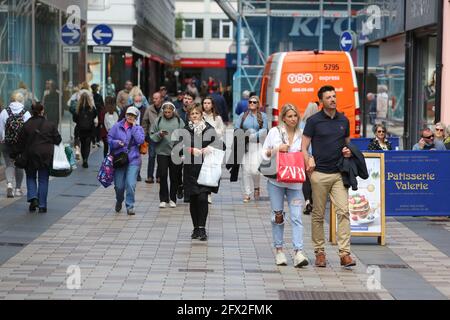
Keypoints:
pixel 85 120
pixel 14 125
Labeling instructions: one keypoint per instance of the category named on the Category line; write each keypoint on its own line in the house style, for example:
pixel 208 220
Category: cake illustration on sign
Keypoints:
pixel 359 209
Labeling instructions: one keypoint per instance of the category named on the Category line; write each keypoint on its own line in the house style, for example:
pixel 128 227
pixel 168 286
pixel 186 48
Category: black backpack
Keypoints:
pixel 85 119
pixel 14 125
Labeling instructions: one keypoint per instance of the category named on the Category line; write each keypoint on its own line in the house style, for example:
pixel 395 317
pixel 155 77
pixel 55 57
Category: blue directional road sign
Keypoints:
pixel 347 41
pixel 102 34
pixel 70 36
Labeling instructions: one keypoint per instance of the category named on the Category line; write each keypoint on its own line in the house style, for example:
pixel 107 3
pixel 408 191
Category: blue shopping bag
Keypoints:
pixel 106 173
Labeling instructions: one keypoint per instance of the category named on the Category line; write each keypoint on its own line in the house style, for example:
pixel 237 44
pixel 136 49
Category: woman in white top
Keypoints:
pixel 286 137
pixel 212 117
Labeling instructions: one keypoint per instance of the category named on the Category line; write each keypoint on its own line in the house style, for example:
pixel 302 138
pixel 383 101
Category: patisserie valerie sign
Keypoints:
pixel 417 183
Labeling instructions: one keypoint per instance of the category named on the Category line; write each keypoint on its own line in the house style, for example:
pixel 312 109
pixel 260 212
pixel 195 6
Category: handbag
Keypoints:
pixel 291 167
pixel 143 148
pixel 106 173
pixel 120 160
pixel 211 170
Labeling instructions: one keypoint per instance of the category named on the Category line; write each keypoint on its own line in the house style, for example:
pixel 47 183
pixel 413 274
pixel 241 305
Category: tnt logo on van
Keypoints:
pixel 300 78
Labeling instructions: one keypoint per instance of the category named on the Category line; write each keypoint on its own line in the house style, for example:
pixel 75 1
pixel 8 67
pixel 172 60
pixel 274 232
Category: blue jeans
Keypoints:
pixel 37 190
pixel 151 159
pixel 125 179
pixel 294 198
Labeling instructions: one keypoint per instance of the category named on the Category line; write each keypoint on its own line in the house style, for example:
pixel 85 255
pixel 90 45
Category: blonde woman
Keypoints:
pixel 84 117
pixel 136 91
pixel 253 122
pixel 287 137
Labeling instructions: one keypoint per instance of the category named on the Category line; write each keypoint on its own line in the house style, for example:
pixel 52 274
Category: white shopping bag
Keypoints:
pixel 252 159
pixel 60 161
pixel 211 168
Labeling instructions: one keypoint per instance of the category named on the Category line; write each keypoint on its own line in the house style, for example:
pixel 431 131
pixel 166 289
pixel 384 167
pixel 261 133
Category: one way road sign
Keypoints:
pixel 102 34
pixel 70 36
pixel 347 41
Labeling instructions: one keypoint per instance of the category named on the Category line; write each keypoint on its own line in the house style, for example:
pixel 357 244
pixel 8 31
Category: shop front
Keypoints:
pixel 402 69
pixel 34 59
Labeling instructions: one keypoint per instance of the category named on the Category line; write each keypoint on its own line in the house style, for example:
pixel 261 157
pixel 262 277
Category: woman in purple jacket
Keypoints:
pixel 126 136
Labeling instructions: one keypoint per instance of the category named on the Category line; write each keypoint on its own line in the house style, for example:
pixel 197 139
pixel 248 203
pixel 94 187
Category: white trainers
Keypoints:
pixel 281 258
pixel 209 199
pixel 162 205
pixel 300 260
pixel 172 204
pixel 18 193
pixel 9 191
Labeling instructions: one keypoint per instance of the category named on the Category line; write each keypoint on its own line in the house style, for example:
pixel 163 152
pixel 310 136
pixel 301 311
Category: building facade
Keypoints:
pixel 404 67
pixel 204 41
pixel 143 41
pixel 33 58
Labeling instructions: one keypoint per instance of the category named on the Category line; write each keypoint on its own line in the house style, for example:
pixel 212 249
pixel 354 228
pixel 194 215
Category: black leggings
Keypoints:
pixel 307 190
pixel 85 147
pixel 198 206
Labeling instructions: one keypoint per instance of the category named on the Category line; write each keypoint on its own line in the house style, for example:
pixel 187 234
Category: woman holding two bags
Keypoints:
pixel 201 136
pixel 37 140
pixel 124 140
pixel 286 137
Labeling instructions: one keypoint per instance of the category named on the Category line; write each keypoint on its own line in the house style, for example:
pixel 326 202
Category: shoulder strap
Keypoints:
pixel 243 118
pixel 9 111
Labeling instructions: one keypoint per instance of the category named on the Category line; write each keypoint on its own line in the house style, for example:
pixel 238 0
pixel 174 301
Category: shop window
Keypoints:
pixel 385 82
pixel 428 81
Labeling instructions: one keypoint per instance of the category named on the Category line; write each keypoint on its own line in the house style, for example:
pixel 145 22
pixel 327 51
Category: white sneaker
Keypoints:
pixel 300 260
pixel 209 199
pixel 162 205
pixel 9 191
pixel 172 204
pixel 18 193
pixel 281 259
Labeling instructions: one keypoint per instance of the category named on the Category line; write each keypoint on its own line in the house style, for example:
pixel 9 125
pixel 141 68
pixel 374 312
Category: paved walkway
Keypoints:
pixel 151 255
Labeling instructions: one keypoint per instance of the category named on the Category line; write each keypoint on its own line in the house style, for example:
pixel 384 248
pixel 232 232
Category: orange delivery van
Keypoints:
pixel 296 77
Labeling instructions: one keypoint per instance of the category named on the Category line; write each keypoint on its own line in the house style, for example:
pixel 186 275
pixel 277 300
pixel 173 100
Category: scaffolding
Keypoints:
pixel 260 31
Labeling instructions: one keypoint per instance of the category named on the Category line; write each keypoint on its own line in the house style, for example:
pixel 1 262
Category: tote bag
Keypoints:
pixel 291 167
pixel 211 170
pixel 106 173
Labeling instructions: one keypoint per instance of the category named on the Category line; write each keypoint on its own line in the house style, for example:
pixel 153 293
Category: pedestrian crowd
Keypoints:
pixel 184 141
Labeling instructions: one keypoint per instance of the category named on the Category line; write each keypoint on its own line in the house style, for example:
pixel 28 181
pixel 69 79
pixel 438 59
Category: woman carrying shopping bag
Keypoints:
pixel 38 139
pixel 254 123
pixel 124 139
pixel 200 137
pixel 286 138
pixel 161 134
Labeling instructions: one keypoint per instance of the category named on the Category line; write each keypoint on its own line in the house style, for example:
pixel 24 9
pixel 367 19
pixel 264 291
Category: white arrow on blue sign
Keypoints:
pixel 70 36
pixel 102 34
pixel 346 41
